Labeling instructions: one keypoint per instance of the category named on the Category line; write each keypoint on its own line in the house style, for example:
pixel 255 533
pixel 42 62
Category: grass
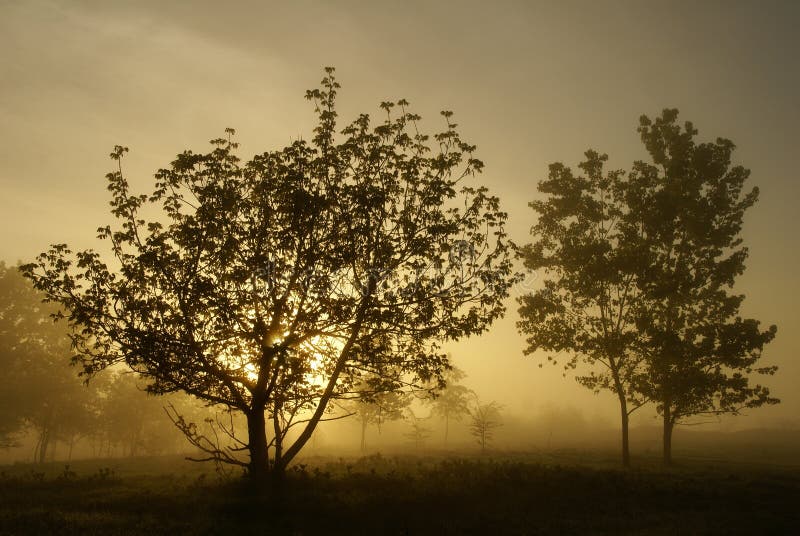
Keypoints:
pixel 509 494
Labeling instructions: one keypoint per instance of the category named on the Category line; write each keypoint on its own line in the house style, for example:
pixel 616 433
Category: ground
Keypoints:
pixel 566 492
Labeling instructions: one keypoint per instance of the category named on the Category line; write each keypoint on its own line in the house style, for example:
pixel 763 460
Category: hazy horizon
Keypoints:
pixel 529 85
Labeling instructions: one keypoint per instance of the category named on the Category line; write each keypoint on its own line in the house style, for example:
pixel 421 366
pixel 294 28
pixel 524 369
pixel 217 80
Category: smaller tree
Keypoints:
pixel 451 401
pixel 376 404
pixel 588 248
pixel 690 203
pixel 418 432
pixel 485 418
pixel 79 418
pixel 134 420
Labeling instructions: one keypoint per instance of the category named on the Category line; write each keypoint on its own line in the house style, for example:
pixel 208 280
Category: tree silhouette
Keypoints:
pixel 377 402
pixel 690 202
pixel 418 433
pixel 484 419
pixel 639 269
pixel 267 286
pixel 588 256
pixel 452 400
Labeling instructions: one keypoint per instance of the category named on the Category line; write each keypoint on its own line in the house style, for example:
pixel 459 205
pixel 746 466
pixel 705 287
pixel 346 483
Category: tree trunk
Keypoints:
pixel 446 426
pixel 36 449
pixel 278 469
pixel 135 442
pixel 667 438
pixel 279 464
pixel 258 468
pixel 363 435
pixel 623 409
pixel 44 441
pixel 314 420
pixel 626 453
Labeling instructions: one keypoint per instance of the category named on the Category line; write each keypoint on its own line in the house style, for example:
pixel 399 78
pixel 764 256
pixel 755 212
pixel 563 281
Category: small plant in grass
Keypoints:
pixel 67 474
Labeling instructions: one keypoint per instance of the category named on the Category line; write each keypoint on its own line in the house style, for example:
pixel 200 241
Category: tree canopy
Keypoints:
pixel 690 203
pixel 588 253
pixel 270 286
pixel 639 269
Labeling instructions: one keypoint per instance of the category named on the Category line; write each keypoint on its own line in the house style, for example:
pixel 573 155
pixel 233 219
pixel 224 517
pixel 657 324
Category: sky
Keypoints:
pixel 530 83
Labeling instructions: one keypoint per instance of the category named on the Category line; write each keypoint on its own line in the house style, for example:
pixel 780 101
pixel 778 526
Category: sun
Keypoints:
pixel 315 351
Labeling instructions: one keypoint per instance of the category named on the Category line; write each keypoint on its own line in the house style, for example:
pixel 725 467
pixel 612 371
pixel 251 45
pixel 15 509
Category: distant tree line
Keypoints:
pixel 41 396
pixel 450 402
pixel 112 415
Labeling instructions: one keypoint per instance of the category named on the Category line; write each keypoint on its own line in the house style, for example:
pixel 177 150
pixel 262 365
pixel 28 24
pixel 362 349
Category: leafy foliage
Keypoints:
pixel 265 286
pixel 588 252
pixel 639 270
pixel 690 202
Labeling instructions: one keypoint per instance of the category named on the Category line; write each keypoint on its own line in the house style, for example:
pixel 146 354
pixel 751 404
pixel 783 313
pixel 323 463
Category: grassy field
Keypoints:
pixel 567 492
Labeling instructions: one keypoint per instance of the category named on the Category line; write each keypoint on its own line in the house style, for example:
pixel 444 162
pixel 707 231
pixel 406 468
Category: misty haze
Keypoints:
pixel 399 268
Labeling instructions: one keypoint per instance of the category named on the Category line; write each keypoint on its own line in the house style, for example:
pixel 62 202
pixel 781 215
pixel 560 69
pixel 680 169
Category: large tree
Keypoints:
pixel 587 252
pixel 264 286
pixel 690 202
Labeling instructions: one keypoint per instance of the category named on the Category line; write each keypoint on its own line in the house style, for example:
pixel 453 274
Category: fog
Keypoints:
pixel 130 425
pixel 529 84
